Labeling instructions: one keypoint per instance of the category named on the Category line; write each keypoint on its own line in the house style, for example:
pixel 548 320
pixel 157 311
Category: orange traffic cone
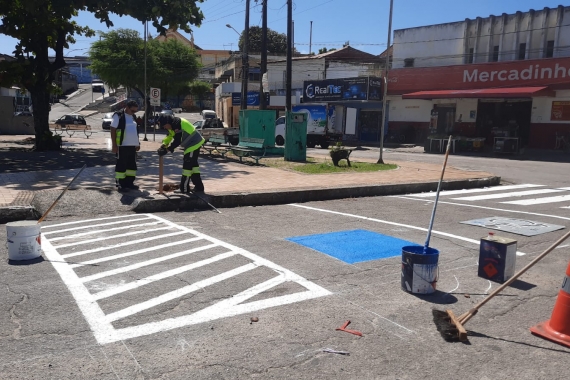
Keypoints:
pixel 557 329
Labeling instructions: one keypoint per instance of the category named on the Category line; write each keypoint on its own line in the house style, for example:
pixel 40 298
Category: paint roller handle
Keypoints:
pixel 474 310
pixel 60 195
pixel 426 245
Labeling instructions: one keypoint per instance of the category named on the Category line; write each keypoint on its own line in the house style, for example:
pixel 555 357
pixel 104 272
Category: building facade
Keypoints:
pixel 500 76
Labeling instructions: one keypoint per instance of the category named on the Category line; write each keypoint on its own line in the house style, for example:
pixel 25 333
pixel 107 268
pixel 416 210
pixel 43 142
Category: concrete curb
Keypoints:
pixel 265 198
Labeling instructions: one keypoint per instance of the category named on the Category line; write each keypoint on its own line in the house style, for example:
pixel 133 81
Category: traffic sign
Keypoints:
pixel 154 96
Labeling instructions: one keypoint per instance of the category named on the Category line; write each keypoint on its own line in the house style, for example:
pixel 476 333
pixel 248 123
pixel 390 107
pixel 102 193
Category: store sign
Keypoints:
pixel 252 98
pixel 537 72
pixel 560 111
pixel 359 88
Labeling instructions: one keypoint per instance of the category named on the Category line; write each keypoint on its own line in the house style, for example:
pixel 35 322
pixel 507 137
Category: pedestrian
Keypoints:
pixel 125 140
pixel 182 133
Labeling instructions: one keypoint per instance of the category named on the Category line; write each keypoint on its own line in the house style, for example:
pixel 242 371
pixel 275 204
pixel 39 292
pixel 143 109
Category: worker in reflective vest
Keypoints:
pixel 125 145
pixel 182 133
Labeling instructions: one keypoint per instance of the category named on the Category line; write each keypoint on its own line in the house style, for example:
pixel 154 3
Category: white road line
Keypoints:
pixel 132 242
pixel 178 293
pixel 106 333
pixel 132 253
pixel 539 201
pixel 160 276
pixel 111 237
pixel 91 226
pixel 483 207
pixel 89 220
pixel 143 264
pixel 435 232
pixel 105 230
pixel 470 191
pixel 507 195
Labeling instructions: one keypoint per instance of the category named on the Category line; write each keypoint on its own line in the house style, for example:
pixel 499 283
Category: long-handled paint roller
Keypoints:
pixel 426 245
pixel 60 195
pixel 451 327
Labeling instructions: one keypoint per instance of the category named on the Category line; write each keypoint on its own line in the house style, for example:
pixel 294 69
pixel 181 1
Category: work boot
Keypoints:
pixel 197 181
pixel 184 185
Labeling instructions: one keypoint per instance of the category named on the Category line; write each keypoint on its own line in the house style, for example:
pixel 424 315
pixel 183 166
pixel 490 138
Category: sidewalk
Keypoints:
pixel 228 183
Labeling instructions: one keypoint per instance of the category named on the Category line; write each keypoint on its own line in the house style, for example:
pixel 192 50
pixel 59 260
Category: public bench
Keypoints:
pixel 250 147
pixel 217 144
pixel 70 129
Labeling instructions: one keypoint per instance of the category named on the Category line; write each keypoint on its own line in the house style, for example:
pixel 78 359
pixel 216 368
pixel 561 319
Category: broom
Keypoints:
pixel 451 327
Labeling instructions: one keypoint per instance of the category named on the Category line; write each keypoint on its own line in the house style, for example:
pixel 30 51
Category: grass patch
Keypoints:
pixel 324 166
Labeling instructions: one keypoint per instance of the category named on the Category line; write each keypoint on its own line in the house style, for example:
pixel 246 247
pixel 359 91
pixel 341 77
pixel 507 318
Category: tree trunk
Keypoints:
pixel 40 103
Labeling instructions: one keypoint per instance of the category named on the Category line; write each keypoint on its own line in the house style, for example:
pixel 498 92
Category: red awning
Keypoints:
pixel 515 92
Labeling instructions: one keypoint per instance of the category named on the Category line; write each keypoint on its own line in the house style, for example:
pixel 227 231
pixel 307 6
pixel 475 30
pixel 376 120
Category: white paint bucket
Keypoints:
pixel 23 240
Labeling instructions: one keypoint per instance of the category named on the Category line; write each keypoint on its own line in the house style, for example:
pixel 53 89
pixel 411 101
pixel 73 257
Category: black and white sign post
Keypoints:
pixel 154 101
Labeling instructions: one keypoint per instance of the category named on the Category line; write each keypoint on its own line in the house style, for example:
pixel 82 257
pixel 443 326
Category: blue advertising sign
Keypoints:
pixel 316 115
pixel 359 88
pixel 252 98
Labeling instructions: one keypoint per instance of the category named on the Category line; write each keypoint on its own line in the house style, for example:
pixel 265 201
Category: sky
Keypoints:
pixel 363 23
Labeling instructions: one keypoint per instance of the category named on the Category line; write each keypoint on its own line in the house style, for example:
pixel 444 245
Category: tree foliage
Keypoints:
pixel 276 42
pixel 41 25
pixel 324 50
pixel 118 58
pixel 200 88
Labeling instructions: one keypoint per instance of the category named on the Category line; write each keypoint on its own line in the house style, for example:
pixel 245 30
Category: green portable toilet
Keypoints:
pixel 257 124
pixel 296 136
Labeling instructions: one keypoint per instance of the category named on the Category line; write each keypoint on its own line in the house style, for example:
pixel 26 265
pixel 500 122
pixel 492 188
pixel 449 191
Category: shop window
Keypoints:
pixel 470 55
pixel 409 62
pixel 522 51
pixel 496 53
pixel 549 49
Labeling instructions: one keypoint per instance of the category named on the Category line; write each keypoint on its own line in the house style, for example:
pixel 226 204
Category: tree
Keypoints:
pixel 324 50
pixel 276 42
pixel 118 58
pixel 41 25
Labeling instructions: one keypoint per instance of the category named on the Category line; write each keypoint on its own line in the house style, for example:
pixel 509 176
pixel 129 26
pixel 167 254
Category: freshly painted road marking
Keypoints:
pixel 75 236
pixel 435 232
pixel 101 324
pixel 507 195
pixel 87 221
pixel 143 232
pixel 539 201
pixel 483 207
pixel 470 191
pixel 89 226
pixel 131 242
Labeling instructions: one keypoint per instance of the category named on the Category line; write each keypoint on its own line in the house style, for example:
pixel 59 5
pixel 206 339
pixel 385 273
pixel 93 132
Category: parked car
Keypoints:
pixel 198 124
pixel 71 119
pixel 208 114
pixel 280 131
pixel 167 112
pixel 107 119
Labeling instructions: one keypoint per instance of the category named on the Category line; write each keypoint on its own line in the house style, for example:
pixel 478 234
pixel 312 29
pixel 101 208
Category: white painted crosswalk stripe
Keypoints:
pixel 471 191
pixel 196 246
pixel 539 201
pixel 508 195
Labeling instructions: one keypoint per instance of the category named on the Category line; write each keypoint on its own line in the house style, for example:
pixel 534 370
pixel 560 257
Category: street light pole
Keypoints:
pixel 262 100
pixel 289 68
pixel 245 59
pixel 384 100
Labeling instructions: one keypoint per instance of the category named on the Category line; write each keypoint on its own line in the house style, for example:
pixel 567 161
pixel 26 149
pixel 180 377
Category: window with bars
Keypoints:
pixel 549 53
pixel 495 57
pixel 522 51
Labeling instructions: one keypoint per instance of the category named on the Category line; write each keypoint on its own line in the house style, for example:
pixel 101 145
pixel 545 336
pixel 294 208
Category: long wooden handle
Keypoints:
pixel 473 311
pixel 60 195
pixel 160 173
pixel 426 245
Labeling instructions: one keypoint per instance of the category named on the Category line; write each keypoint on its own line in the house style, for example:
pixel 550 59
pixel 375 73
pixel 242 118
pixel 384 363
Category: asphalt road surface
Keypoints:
pixel 236 295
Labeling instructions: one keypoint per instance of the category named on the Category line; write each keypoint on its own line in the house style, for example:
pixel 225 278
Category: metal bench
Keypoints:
pixel 216 143
pixel 71 129
pixel 250 147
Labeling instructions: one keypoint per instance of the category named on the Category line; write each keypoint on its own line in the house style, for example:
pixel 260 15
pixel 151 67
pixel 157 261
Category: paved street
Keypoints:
pixel 171 295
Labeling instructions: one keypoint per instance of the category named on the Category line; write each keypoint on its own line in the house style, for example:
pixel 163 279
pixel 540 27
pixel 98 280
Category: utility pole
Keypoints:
pixel 262 100
pixel 145 101
pixel 245 59
pixel 311 39
pixel 289 55
pixel 384 100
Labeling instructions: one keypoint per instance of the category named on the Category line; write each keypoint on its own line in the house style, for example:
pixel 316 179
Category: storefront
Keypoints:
pixel 521 101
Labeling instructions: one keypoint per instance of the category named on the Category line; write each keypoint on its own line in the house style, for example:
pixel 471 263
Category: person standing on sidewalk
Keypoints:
pixel 182 132
pixel 125 140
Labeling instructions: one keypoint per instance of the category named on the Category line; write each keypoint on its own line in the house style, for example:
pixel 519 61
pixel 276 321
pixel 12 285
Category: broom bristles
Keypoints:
pixel 448 330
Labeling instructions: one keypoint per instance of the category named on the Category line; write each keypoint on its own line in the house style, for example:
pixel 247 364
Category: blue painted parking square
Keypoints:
pixel 354 246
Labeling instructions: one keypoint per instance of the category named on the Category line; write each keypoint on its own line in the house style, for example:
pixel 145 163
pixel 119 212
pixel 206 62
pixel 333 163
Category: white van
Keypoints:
pixel 208 114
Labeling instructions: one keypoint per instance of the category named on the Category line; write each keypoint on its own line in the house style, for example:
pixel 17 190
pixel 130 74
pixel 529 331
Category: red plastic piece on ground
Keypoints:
pixel 343 328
